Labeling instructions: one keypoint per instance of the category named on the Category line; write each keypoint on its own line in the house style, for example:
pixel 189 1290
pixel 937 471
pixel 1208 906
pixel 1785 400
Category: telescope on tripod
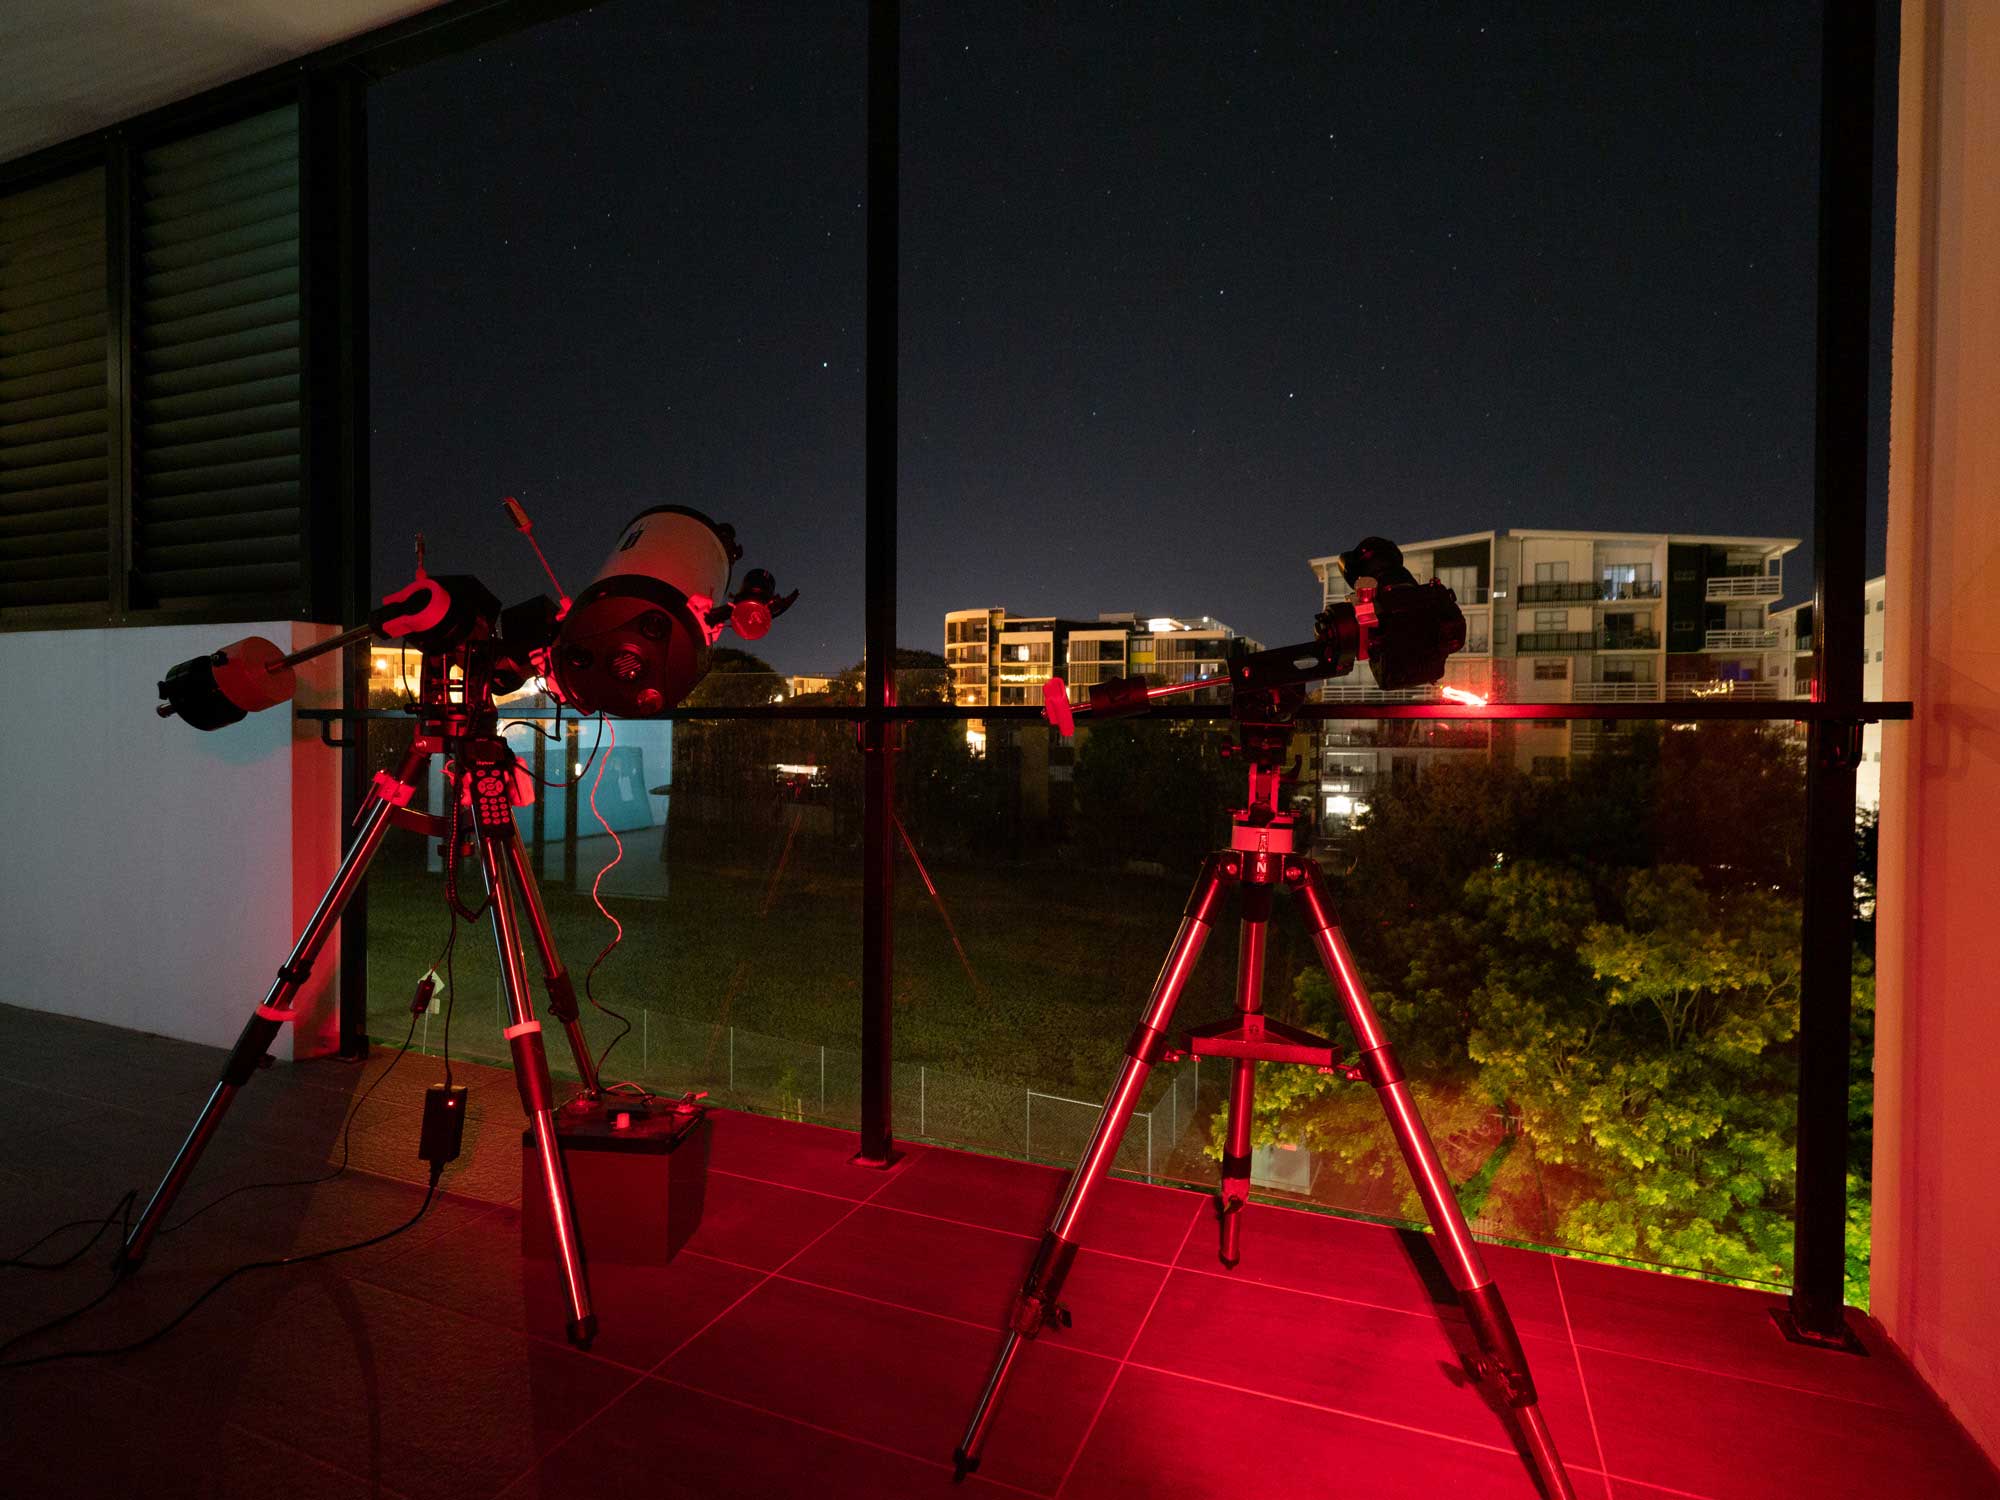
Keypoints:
pixel 632 645
pixel 1405 631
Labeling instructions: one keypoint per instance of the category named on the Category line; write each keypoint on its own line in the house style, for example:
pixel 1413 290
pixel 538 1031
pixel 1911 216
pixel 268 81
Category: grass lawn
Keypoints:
pixel 745 979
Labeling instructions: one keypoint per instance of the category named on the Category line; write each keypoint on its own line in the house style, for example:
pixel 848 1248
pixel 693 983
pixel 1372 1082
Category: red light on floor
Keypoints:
pixel 1463 695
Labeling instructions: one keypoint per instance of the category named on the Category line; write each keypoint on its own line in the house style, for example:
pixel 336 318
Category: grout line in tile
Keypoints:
pixel 855 1207
pixel 835 1432
pixel 375 1485
pixel 1012 1234
pixel 1507 1448
pixel 1132 1346
pixel 1583 1382
pixel 1654 1485
pixel 1722 1374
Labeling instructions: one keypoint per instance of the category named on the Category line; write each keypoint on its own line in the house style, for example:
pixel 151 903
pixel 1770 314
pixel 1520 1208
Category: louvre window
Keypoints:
pixel 216 432
pixel 54 457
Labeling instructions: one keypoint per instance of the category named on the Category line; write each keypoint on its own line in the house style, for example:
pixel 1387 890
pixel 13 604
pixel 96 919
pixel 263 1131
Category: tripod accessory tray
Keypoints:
pixel 637 1177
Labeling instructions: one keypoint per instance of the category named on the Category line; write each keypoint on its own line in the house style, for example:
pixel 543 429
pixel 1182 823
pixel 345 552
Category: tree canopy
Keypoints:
pixel 1610 960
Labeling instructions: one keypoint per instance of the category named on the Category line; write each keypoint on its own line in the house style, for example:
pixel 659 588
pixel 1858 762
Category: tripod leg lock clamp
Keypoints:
pixel 562 997
pixel 1379 1066
pixel 531 1067
pixel 1501 1357
pixel 1039 1304
pixel 295 973
pixel 278 1014
pixel 1146 1045
pixel 252 1043
pixel 1032 1314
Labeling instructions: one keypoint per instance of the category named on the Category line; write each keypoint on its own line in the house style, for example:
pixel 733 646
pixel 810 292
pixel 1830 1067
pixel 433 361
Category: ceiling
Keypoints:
pixel 68 67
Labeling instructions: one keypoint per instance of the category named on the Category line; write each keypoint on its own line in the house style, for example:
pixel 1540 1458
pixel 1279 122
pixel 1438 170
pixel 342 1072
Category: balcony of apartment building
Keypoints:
pixel 1737 638
pixel 1628 638
pixel 1616 690
pixel 1747 582
pixel 905 977
pixel 1531 642
pixel 1583 591
pixel 1616 590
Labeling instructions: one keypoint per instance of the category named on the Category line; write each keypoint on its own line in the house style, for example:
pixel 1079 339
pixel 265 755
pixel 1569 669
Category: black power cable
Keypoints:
pixel 430 1193
pixel 346 1134
pixel 555 736
pixel 121 1210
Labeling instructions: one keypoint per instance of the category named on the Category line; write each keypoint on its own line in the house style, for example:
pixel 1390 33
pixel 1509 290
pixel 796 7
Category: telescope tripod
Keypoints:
pixel 482 773
pixel 1259 861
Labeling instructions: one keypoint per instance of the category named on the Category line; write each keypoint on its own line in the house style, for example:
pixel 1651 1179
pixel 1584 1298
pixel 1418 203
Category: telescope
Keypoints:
pixel 633 644
pixel 1404 631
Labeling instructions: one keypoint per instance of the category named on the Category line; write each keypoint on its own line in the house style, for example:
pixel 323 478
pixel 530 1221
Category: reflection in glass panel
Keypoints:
pixel 1589 970
pixel 727 852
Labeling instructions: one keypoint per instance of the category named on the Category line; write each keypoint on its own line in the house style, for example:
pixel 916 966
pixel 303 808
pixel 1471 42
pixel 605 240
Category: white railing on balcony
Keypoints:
pixel 1681 692
pixel 1740 640
pixel 1615 692
pixel 1365 691
pixel 1748 586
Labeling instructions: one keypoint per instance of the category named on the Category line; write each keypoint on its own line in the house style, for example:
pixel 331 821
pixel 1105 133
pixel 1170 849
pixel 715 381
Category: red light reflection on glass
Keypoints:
pixel 1463 695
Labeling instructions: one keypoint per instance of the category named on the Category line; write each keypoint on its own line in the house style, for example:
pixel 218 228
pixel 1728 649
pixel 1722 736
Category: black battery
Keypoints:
pixel 638 1172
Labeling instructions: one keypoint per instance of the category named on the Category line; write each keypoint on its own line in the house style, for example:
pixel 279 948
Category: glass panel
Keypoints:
pixel 1594 993
pixel 734 877
pixel 648 295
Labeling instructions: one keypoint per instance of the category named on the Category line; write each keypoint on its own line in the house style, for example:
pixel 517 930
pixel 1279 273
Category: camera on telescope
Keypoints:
pixel 1404 630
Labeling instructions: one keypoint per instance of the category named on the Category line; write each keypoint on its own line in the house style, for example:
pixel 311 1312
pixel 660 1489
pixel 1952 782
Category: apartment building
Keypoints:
pixel 997 659
pixel 1567 617
pixel 1796 668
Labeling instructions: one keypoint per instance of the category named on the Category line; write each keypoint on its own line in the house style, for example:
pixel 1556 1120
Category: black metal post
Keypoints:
pixel 1847 138
pixel 338 524
pixel 877 732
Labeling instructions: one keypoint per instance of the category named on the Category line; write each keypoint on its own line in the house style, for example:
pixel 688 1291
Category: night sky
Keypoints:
pixel 1186 298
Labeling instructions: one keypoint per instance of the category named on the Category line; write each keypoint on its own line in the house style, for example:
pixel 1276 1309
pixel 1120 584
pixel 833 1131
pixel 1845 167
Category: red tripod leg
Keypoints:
pixel 531 1077
pixel 254 1041
pixel 1502 1359
pixel 562 993
pixel 1243 1076
pixel 1039 1303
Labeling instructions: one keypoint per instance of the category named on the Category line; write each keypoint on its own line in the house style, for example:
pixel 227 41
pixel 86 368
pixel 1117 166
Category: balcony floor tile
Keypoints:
pixel 826 1330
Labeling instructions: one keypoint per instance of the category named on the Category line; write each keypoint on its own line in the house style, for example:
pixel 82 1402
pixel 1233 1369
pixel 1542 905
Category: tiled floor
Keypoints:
pixel 824 1332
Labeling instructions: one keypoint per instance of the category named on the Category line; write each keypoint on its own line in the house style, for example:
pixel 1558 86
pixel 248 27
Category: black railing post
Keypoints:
pixel 337 528
pixel 1847 130
pixel 878 734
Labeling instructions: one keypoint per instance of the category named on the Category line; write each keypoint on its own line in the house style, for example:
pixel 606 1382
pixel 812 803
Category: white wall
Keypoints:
pixel 1934 1283
pixel 154 875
